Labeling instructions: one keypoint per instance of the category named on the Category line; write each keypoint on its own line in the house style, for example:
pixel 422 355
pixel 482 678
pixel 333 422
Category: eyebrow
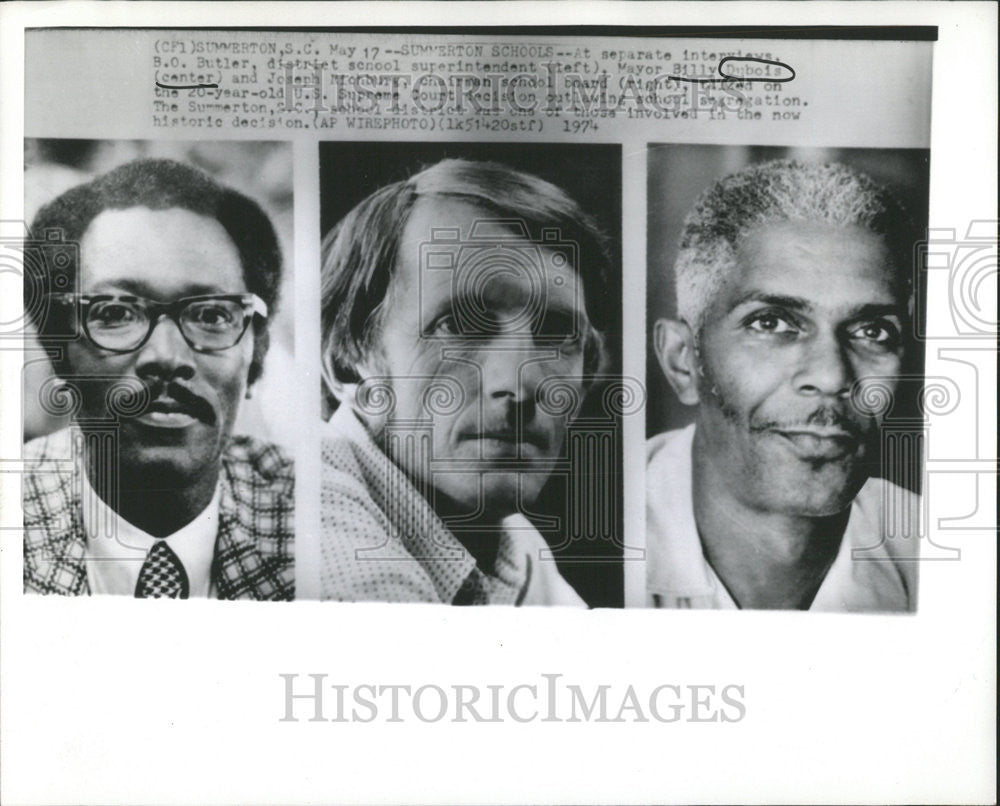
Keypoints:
pixel 449 305
pixel 432 312
pixel 778 300
pixel 876 309
pixel 867 311
pixel 140 289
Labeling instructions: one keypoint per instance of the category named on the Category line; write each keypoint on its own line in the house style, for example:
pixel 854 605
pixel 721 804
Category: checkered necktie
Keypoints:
pixel 162 575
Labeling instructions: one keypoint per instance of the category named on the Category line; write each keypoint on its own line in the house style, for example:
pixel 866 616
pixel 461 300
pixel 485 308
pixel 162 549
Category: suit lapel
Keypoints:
pixel 55 549
pixel 252 558
pixel 240 568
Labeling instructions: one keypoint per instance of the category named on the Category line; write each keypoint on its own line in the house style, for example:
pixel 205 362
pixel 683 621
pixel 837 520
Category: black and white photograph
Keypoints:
pixel 662 333
pixel 782 285
pixel 153 288
pixel 471 337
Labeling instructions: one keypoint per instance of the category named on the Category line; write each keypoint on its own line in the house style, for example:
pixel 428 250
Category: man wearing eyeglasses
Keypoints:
pixel 149 494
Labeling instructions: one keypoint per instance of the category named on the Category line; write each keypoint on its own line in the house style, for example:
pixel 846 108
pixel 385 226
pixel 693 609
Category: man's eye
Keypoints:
pixel 113 314
pixel 558 327
pixel 882 333
pixel 770 323
pixel 211 316
pixel 445 326
pixel 569 342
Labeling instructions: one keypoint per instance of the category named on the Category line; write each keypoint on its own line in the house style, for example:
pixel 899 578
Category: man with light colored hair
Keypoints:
pixel 460 308
pixel 793 298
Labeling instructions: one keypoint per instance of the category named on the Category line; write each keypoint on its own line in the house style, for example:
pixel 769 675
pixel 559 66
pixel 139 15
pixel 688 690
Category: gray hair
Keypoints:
pixel 781 190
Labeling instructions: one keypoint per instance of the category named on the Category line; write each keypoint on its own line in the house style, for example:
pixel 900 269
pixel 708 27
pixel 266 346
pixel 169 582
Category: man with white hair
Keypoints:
pixel 793 297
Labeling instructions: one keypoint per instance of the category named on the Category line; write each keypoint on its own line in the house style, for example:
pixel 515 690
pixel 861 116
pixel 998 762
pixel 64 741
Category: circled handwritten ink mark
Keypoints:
pixel 729 77
pixel 187 86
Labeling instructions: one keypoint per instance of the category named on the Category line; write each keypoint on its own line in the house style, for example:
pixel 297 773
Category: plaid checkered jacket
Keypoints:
pixel 254 549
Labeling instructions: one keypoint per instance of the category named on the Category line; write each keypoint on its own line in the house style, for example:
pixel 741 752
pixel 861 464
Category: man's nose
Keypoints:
pixel 165 354
pixel 512 368
pixel 825 368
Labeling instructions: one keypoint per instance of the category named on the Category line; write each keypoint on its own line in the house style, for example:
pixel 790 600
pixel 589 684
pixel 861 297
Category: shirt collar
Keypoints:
pixel 676 569
pixel 116 548
pixel 520 574
pixel 864 576
pixel 678 575
pixel 421 531
pixel 526 564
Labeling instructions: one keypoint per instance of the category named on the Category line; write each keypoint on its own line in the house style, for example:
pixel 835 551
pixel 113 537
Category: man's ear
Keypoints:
pixel 345 392
pixel 674 344
pixel 342 391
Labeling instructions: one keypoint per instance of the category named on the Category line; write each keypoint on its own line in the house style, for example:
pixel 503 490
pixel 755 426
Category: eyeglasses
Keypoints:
pixel 123 324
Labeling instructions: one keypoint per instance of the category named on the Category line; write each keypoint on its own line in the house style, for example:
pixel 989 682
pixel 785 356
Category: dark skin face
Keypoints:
pixel 810 312
pixel 171 447
pixel 810 316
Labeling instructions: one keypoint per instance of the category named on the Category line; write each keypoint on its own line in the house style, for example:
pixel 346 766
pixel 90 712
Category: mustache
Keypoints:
pixel 173 396
pixel 506 430
pixel 826 417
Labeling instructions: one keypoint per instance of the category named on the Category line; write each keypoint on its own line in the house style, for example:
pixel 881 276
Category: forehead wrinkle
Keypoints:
pixel 842 313
pixel 141 289
pixel 168 246
pixel 880 309
pixel 811 264
pixel 435 286
pixel 784 301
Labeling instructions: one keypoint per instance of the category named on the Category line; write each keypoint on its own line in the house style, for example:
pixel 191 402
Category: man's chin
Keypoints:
pixel 495 494
pixel 818 508
pixel 821 495
pixel 167 467
pixel 813 485
pixel 506 493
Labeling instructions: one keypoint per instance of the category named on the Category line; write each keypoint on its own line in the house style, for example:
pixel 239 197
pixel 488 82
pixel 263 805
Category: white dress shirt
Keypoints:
pixel 116 549
pixel 865 575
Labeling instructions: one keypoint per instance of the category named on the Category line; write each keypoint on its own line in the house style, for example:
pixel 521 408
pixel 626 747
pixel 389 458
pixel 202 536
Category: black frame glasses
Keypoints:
pixel 199 340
